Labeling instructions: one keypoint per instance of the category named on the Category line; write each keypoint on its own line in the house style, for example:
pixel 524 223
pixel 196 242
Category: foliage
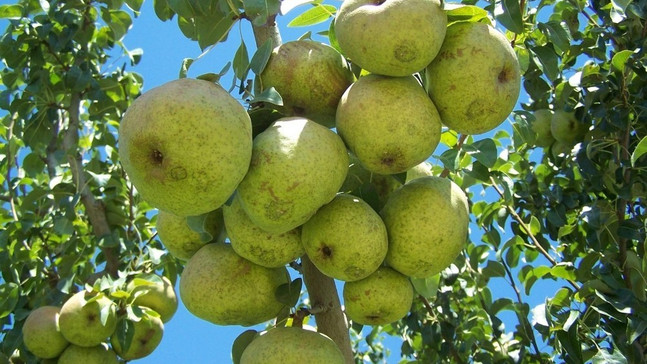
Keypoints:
pixel 571 219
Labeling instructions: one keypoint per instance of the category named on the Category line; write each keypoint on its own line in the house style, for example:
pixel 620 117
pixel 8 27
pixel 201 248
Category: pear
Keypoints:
pixel 389 123
pixel 310 77
pixel 219 286
pixel 156 293
pixel 379 299
pixel 41 334
pixel 180 239
pixel 541 126
pixel 147 334
pixel 565 127
pixel 297 167
pixel 257 245
pixel 427 222
pixel 99 354
pixel 391 37
pixel 423 169
pixel 346 239
pixel 185 145
pixel 87 318
pixel 475 79
pixel 292 345
pixel 367 185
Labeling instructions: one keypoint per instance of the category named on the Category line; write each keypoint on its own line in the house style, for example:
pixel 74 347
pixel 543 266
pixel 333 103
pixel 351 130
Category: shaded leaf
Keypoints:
pixel 240 344
pixel 640 150
pixel 261 57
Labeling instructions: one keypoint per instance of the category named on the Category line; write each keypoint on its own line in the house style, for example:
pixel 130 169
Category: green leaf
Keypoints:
pixel 11 11
pixel 572 317
pixel 315 15
pixel 483 151
pixel 604 357
pixel 9 295
pixel 259 10
pixel 184 68
pixel 494 269
pixel 240 344
pixel 535 225
pixel 241 61
pixel 426 287
pixel 119 22
pixel 198 224
pixel 510 16
pixel 163 10
pixel 269 95
pixel 135 5
pixel 261 57
pixel 125 332
pixel 619 60
pixel 557 33
pixel 471 13
pixel 548 59
pixel 214 28
pixel 288 293
pixel 640 150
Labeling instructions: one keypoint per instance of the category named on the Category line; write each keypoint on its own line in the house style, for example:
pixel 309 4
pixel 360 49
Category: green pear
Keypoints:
pixel 87 318
pixel 99 354
pixel 565 127
pixel 389 123
pixel 423 169
pixel 156 293
pixel 297 167
pixel 427 221
pixel 379 299
pixel 391 37
pixel 475 80
pixel 185 146
pixel 368 185
pixel 257 245
pixel 41 333
pixel 219 286
pixel 180 239
pixel 291 345
pixel 541 126
pixel 147 334
pixel 346 239
pixel 560 148
pixel 310 77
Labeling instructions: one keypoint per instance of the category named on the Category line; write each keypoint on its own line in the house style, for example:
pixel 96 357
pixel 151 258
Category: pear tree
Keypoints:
pixel 472 173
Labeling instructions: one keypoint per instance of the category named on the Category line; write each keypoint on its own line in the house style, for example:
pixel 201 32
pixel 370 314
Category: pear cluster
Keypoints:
pixel 243 194
pixel 85 329
pixel 558 130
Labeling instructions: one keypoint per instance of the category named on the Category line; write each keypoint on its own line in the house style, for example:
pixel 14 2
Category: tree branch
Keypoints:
pixel 94 209
pixel 330 319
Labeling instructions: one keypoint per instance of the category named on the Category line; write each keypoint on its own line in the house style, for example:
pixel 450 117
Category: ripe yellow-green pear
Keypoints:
pixel 427 221
pixel 257 245
pixel 475 79
pixel 379 299
pixel 310 77
pixel 366 184
pixel 566 128
pixel 423 169
pixel 391 37
pixel 346 239
pixel 147 334
pixel 389 123
pixel 219 286
pixel 99 354
pixel 541 125
pixel 156 293
pixel 185 146
pixel 297 167
pixel 41 334
pixel 292 345
pixel 81 321
pixel 182 241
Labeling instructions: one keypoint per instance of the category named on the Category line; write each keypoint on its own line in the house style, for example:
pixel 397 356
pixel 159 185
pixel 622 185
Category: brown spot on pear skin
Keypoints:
pixel 326 251
pixel 404 53
pixel 178 173
pixel 157 157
